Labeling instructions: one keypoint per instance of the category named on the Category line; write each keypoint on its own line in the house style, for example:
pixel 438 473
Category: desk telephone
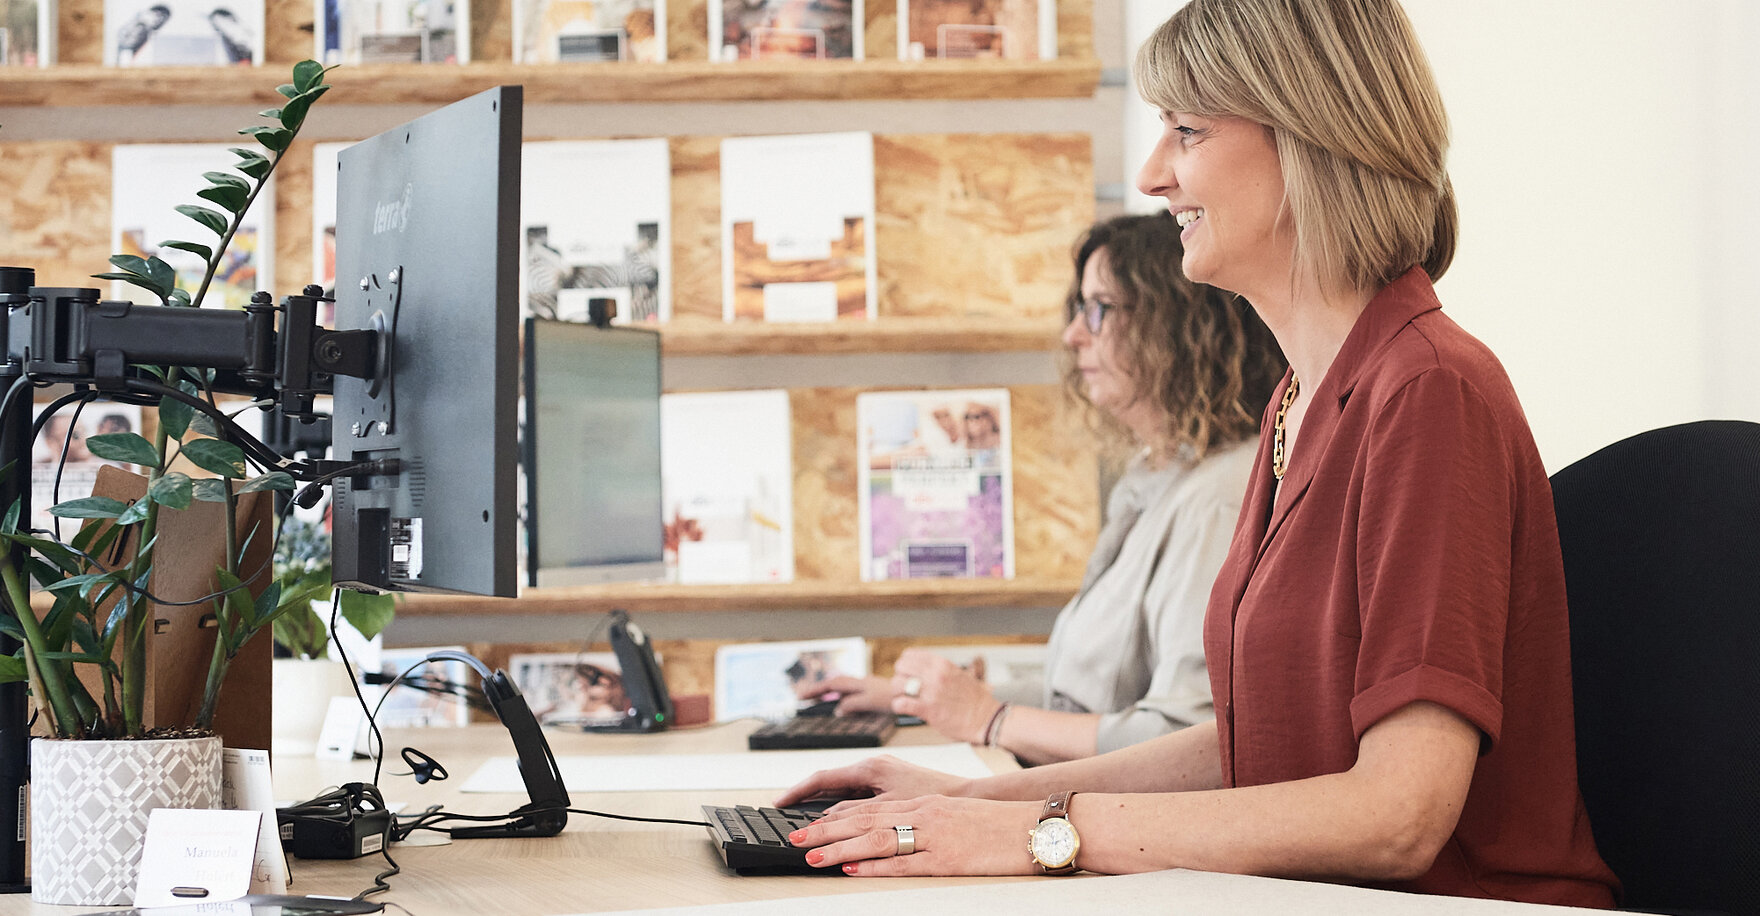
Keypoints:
pixel 650 704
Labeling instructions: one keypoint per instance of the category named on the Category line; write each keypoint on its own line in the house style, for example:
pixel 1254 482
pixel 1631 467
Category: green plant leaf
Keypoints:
pixel 128 263
pixel 370 614
pixel 136 512
pixel 251 162
pixel 293 114
pixel 171 490
pixel 306 74
pixel 274 138
pixel 77 584
pixel 209 489
pixel 219 457
pixel 174 418
pixel 200 251
pixel 201 423
pixel 274 480
pixel 228 198
pixel 178 298
pixel 12 513
pixel 287 90
pixel 12 669
pixel 210 220
pixel 267 605
pixel 44 574
pixel 9 626
pixel 137 280
pixel 273 114
pixel 162 273
pixel 52 551
pixel 130 447
pixel 89 507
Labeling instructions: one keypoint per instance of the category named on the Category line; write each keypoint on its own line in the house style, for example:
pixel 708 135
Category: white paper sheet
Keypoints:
pixel 716 772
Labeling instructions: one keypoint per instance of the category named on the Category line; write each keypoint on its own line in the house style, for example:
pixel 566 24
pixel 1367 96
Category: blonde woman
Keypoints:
pixel 1182 372
pixel 1387 640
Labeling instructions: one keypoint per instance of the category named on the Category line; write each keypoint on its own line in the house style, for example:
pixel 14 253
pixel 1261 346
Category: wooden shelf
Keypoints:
pixel 678 81
pixel 882 335
pixel 660 598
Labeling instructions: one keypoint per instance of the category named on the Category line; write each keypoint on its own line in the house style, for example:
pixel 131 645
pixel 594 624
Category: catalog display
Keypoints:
pixel 571 688
pixel 1002 29
pixel 726 472
pixel 597 221
pixel 935 492
pixel 577 31
pixel 797 227
pixel 182 33
pixel 770 29
pixel 430 695
pixel 324 219
pixel 27 33
pixel 150 180
pixel 62 468
pixel 386 32
pixel 764 679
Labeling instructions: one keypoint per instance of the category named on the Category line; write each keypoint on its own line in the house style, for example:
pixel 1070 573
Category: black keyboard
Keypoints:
pixel 755 840
pixel 862 729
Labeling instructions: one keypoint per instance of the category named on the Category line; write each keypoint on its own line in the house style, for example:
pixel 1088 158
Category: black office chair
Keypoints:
pixel 1661 538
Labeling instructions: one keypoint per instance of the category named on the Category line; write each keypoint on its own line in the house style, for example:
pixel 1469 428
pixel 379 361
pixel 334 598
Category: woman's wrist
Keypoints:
pixel 991 736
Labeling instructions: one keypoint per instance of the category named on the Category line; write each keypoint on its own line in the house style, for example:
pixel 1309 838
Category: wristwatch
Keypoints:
pixel 1053 844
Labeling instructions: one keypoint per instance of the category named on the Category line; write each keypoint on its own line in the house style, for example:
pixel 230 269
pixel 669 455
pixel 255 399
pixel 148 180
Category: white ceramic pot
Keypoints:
pixel 89 805
pixel 303 688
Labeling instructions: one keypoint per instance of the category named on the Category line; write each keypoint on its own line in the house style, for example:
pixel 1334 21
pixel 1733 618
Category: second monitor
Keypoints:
pixel 591 453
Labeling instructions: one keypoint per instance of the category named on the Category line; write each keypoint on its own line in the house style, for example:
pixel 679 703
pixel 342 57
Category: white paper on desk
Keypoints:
pixel 245 784
pixel 196 848
pixel 716 772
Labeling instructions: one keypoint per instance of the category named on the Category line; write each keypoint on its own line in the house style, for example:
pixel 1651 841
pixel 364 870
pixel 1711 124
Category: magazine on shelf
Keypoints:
pixel 384 32
pixel 597 219
pixel 1000 29
pixel 62 468
pixel 726 468
pixel 771 29
pixel 797 227
pixel 324 222
pixel 935 487
pixel 431 695
pixel 27 33
pixel 183 33
pixel 762 679
pixel 149 181
pixel 571 688
pixel 585 31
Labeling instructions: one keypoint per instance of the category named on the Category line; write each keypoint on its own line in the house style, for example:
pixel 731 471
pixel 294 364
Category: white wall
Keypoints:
pixel 1605 157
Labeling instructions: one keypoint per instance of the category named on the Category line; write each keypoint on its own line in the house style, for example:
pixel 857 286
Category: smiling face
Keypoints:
pixel 1105 369
pixel 1223 183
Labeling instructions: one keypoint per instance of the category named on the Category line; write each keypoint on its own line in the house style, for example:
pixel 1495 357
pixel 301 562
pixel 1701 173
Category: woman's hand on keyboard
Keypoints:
pixel 879 778
pixel 952 836
pixel 859 694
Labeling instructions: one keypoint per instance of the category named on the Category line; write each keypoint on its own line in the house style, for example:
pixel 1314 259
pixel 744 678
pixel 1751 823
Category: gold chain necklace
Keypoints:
pixel 1280 457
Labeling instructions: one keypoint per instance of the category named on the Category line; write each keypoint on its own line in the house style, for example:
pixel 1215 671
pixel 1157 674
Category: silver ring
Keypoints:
pixel 913 686
pixel 907 840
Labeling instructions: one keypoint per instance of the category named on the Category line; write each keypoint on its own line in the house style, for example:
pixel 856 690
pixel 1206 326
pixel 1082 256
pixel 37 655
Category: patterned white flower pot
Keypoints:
pixel 89 805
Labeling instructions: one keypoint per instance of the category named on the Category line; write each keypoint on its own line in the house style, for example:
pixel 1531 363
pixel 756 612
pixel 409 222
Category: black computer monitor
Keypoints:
pixel 591 448
pixel 427 253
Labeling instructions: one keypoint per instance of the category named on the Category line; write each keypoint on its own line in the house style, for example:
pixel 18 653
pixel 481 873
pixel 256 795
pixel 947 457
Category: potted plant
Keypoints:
pixel 302 570
pixel 85 657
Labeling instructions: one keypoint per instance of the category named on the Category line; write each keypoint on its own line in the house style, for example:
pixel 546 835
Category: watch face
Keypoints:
pixel 1054 843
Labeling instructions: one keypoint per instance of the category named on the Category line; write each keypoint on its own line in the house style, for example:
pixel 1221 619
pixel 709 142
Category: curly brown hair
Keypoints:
pixel 1201 354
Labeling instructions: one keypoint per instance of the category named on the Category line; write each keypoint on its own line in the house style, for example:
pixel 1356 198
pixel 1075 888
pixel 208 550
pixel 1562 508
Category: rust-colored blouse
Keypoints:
pixel 1412 554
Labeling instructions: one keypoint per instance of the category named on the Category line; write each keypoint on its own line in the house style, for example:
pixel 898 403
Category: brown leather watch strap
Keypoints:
pixel 1057 805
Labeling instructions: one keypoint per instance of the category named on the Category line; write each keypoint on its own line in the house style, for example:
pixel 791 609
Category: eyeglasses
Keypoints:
pixel 1093 314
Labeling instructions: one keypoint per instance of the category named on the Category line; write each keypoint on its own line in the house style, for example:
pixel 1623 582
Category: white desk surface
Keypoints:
pixel 601 865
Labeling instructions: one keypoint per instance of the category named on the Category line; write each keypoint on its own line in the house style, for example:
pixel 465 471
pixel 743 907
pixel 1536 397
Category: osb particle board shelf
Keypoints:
pixel 881 335
pixel 660 598
pixel 674 81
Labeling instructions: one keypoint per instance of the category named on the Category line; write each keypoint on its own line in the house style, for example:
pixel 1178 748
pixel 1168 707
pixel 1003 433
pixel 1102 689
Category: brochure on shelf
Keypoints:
pixel 27 33
pixel 585 31
pixel 149 181
pixel 183 33
pixel 935 490
pixel 797 227
pixel 571 688
pixel 1000 29
pixel 726 470
pixel 386 32
pixel 324 221
pixel 763 679
pixel 430 695
pixel 771 29
pixel 597 219
pixel 62 468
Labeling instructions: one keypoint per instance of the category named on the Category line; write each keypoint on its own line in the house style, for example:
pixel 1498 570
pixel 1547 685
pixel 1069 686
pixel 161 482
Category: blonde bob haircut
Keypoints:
pixel 1353 108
